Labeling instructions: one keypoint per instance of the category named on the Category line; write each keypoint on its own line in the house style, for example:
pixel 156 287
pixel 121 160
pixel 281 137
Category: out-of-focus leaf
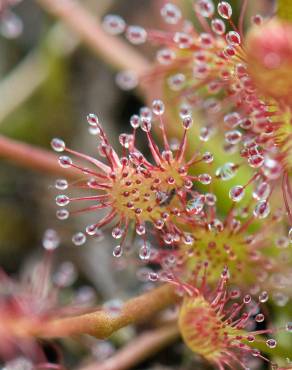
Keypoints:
pixel 285 10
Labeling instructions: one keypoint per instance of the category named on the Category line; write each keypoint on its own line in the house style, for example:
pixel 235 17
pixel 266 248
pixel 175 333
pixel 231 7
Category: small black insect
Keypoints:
pixel 164 199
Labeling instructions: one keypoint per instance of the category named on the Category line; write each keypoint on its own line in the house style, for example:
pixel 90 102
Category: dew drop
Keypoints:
pixel 135 121
pixel 127 80
pixel 58 145
pixel 205 179
pixel 250 338
pixel 118 251
pixel 262 209
pixel 62 214
pixel 117 233
pixel 176 82
pixel 208 157
pixel 65 161
pixel 187 122
pixel 205 8
pixel 91 229
pixel 165 56
pixel 113 24
pixel 233 137
pixel 92 119
pixel 263 297
pixel 61 184
pixel 153 276
pixel 232 119
pixel 136 35
pixel 257 19
pixel 236 193
pixel 256 161
pixel 170 13
pixel 168 238
pixel 158 107
pixel 233 38
pixel 185 111
pixel 78 239
pixel 51 240
pixel 280 299
pixel 11 25
pixel 271 343
pixel 19 363
pixel 188 239
pixel 62 200
pixel 216 226
pixel 262 191
pixel 183 40
pixel 205 134
pixel 218 26
pixel 227 171
pixel 102 350
pixel 140 229
pixel 145 252
pixel 210 199
pixel 224 10
pixel 146 124
pixel 290 235
pixel 259 317
pixel 247 299
pixel 125 140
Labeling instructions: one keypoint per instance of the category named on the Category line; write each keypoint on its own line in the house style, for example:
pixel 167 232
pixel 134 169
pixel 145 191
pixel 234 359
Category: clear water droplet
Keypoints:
pixel 78 239
pixel 113 24
pixel 224 10
pixel 187 122
pixel 271 343
pixel 118 251
pixel 171 13
pixel 62 214
pixel 140 229
pixel 136 35
pixel 51 240
pixel 236 193
pixel 62 200
pixel 127 80
pixel 65 161
pixel 262 209
pixel 117 233
pixel 61 184
pixel 260 317
pixel 233 38
pixel 205 8
pixel 227 171
pixel 158 107
pixel 58 145
pixel 262 191
pixel 263 297
pixel 135 121
pixel 145 252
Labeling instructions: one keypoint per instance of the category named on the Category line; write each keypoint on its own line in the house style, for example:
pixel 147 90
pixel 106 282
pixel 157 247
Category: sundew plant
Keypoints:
pixel 186 210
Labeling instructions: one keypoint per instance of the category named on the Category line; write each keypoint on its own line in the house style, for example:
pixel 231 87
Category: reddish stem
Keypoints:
pixel 33 158
pixel 102 324
pixel 139 349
